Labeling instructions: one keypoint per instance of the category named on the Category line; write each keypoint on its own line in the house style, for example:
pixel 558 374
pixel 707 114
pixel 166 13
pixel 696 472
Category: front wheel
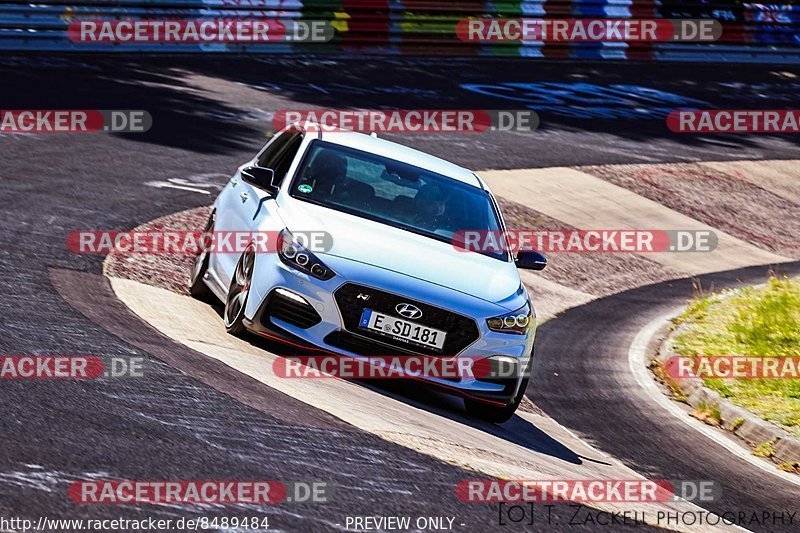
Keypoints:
pixel 238 292
pixel 197 285
pixel 498 414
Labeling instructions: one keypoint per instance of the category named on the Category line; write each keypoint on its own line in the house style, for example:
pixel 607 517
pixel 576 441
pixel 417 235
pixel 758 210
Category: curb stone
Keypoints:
pixel 748 427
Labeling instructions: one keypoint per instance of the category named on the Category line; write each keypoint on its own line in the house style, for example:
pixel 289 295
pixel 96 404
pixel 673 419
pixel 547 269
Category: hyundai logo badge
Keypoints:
pixel 409 311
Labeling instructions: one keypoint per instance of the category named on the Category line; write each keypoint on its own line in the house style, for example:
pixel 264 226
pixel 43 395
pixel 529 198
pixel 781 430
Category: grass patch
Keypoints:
pixel 794 468
pixel 708 413
pixel 657 368
pixel 765 449
pixel 763 321
pixel 737 424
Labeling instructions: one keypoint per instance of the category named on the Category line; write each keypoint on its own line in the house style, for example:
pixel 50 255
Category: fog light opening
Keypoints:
pixel 502 367
pixel 291 295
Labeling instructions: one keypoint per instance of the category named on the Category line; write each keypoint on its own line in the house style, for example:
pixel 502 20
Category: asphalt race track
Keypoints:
pixel 590 375
pixel 209 115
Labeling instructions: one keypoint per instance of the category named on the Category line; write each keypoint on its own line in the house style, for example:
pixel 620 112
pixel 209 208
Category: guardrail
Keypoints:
pixel 751 32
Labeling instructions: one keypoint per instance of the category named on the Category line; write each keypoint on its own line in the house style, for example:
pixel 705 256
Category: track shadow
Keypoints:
pixel 625 99
pixel 619 101
pixel 183 117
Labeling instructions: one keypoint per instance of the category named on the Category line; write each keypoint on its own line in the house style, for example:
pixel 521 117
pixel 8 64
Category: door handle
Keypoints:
pixel 234 182
pixel 244 196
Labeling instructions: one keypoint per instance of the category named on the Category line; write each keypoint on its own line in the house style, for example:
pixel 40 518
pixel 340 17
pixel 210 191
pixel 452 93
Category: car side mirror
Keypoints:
pixel 260 177
pixel 531 260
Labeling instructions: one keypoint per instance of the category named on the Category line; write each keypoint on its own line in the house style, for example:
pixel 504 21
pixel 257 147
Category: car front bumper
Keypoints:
pixel 329 335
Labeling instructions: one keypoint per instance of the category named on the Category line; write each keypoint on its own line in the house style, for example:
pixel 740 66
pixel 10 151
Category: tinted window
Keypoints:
pixel 273 149
pixel 392 192
pixel 285 158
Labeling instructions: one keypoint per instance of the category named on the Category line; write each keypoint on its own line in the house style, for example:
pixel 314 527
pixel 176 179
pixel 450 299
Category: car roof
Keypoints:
pixel 398 152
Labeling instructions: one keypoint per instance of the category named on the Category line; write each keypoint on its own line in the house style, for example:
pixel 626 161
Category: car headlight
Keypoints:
pixel 298 256
pixel 519 322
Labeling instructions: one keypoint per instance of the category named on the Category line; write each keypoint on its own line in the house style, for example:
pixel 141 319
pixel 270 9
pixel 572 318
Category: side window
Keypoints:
pixel 497 212
pixel 284 160
pixel 267 158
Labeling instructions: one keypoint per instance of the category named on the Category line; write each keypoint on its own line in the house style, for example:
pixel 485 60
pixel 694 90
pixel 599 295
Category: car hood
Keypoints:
pixel 404 252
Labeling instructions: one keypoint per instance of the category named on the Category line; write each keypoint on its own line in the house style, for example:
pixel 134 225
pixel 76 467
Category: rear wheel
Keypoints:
pixel 238 292
pixel 197 285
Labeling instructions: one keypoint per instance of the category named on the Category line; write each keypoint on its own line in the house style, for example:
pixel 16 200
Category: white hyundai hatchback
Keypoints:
pixel 390 279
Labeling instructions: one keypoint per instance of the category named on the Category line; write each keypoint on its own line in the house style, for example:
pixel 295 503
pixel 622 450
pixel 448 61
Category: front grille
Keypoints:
pixel 461 330
pixel 302 315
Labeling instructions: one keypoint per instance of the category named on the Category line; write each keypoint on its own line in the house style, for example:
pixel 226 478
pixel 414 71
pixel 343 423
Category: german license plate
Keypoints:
pixel 402 330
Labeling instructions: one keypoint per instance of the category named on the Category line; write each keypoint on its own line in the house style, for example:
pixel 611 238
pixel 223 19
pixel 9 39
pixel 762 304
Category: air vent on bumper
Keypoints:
pixel 291 308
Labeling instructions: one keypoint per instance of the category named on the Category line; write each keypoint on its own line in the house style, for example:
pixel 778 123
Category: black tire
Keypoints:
pixel 498 414
pixel 235 302
pixel 198 287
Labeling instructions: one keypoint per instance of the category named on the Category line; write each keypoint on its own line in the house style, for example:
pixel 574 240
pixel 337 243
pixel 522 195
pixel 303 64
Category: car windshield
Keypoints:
pixel 393 193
